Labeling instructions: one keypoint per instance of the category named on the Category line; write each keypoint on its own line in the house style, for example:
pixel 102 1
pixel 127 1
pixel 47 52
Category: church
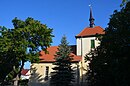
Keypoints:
pixel 86 40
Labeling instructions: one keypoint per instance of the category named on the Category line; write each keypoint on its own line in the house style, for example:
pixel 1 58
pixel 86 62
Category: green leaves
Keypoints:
pixel 63 74
pixel 124 2
pixel 109 64
pixel 23 42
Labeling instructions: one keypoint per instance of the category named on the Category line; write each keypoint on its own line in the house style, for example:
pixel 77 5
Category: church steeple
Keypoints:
pixel 91 19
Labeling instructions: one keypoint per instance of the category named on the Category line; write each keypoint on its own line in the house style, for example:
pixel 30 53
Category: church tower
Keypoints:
pixel 91 19
pixel 86 40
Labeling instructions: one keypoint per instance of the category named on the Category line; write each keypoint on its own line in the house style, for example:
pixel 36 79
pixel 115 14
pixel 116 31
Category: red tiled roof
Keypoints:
pixel 50 56
pixel 91 31
pixel 24 71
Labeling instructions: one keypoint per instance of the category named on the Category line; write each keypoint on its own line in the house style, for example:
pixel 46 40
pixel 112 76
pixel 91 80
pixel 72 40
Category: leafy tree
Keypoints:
pixel 124 2
pixel 63 74
pixel 110 62
pixel 21 44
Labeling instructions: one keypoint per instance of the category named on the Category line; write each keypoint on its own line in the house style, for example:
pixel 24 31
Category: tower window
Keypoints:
pixel 92 44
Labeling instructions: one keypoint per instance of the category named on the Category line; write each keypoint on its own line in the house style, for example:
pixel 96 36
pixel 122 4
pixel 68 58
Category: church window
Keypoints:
pixel 46 72
pixel 92 44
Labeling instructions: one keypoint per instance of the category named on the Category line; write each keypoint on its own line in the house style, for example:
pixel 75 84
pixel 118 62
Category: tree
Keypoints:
pixel 124 2
pixel 22 43
pixel 63 74
pixel 110 62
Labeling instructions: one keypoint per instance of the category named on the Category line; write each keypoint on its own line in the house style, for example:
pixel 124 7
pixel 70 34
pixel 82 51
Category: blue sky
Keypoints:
pixel 67 17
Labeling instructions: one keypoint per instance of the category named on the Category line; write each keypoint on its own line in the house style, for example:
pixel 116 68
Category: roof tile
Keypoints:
pixel 49 57
pixel 91 31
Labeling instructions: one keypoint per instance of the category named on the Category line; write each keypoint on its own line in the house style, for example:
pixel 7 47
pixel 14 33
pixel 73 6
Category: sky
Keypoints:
pixel 66 17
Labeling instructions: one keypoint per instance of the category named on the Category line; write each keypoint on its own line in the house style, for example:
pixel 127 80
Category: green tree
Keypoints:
pixel 124 2
pixel 63 74
pixel 21 44
pixel 110 62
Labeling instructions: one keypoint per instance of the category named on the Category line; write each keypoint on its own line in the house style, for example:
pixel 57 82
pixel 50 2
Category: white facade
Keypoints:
pixel 84 45
pixel 38 73
pixel 83 48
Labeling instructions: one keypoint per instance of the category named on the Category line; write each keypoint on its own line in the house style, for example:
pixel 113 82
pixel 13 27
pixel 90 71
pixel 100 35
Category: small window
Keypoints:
pixel 92 44
pixel 46 72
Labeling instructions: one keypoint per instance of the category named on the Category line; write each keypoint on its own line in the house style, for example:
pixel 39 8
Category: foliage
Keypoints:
pixel 21 44
pixel 124 2
pixel 63 74
pixel 110 62
pixel 23 82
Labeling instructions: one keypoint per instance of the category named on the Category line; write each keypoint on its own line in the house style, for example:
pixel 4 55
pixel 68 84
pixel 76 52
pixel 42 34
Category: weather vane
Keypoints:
pixel 89 5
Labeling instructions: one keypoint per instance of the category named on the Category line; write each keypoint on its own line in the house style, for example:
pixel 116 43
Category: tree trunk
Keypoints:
pixel 19 74
pixel 16 80
pixel 22 65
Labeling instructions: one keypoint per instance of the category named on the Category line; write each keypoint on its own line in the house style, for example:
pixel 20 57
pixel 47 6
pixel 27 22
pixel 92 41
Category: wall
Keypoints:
pixel 83 48
pixel 38 71
pixel 84 45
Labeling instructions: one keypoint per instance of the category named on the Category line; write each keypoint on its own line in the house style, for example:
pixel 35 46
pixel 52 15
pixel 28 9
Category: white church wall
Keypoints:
pixel 38 73
pixel 78 41
pixel 84 45
pixel 83 48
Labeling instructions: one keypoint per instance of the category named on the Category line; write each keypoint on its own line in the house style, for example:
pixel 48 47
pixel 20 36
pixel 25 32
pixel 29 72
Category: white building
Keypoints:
pixel 86 40
pixel 40 72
